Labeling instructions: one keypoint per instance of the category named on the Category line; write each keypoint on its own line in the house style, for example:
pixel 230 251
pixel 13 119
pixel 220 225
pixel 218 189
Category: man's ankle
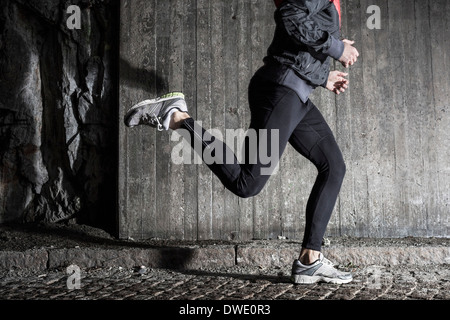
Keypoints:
pixel 177 119
pixel 308 256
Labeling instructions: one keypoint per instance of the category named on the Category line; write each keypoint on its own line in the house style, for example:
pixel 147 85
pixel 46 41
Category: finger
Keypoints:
pixel 341 86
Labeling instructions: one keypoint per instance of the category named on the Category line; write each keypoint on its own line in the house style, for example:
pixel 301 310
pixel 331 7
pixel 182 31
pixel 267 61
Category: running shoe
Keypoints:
pixel 156 112
pixel 320 271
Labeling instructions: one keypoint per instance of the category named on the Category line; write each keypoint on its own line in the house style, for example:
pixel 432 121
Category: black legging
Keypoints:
pixel 302 125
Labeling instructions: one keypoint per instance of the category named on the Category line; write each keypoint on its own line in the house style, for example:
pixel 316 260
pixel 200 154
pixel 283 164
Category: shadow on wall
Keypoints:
pixel 141 79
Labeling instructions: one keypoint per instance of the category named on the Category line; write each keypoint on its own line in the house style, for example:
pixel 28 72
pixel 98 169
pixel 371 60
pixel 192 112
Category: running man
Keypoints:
pixel 307 35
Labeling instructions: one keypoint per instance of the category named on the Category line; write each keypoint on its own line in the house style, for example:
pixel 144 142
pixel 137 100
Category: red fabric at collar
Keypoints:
pixel 337 4
pixel 278 2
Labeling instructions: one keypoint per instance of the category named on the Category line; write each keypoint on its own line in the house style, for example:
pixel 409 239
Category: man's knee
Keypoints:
pixel 330 158
pixel 340 169
pixel 247 190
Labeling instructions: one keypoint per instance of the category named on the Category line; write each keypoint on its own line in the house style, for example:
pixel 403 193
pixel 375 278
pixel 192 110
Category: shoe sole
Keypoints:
pixel 303 279
pixel 167 97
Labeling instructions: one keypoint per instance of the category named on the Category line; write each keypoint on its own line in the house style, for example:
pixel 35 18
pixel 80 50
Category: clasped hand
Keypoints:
pixel 337 82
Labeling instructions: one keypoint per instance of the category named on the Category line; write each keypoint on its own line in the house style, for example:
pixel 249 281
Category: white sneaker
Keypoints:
pixel 157 112
pixel 321 270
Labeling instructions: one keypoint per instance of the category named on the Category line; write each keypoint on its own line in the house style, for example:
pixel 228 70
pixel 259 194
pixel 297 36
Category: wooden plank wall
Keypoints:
pixel 392 124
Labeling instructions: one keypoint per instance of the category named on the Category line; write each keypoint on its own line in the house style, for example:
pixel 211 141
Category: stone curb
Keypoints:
pixel 171 258
pixel 35 259
pixel 192 258
pixel 350 256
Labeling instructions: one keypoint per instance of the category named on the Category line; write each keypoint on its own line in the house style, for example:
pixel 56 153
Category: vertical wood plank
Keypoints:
pixel 190 205
pixel 354 208
pixel 240 117
pixel 373 93
pixel 176 174
pixel 438 215
pixel 218 100
pixel 400 19
pixel 162 164
pixel 367 125
pixel 384 205
pixel 413 169
pixel 204 113
pixel 123 183
pixel 260 217
pixel 147 145
pixel 231 42
pixel 397 104
pixel 276 181
pixel 421 115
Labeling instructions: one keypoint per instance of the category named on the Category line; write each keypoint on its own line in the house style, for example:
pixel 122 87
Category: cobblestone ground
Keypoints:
pixel 237 283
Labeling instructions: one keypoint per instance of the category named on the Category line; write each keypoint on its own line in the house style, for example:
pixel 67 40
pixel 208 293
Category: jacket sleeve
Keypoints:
pixel 296 18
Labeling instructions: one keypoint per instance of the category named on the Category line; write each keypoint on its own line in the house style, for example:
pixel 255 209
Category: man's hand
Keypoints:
pixel 337 82
pixel 350 55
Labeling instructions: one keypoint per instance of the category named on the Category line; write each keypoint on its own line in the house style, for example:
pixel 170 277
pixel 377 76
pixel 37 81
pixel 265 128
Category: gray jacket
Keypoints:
pixel 307 34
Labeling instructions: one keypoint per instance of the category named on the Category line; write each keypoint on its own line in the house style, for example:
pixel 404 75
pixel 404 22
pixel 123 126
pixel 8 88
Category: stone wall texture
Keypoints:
pixel 58 111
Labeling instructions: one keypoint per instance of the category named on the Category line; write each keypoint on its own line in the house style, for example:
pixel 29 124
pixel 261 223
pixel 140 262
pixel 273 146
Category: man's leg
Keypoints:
pixel 275 113
pixel 314 139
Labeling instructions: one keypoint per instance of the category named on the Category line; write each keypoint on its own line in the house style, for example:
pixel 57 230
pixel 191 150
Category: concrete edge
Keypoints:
pixel 348 256
pixel 192 258
pixel 35 259
pixel 171 258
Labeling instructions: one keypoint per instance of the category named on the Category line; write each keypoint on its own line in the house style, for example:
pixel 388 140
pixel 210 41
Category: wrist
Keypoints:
pixel 325 84
pixel 336 49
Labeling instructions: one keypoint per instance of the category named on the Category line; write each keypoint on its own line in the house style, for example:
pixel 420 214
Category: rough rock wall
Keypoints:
pixel 58 112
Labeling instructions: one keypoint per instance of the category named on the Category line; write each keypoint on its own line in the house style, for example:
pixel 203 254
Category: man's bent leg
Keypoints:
pixel 314 139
